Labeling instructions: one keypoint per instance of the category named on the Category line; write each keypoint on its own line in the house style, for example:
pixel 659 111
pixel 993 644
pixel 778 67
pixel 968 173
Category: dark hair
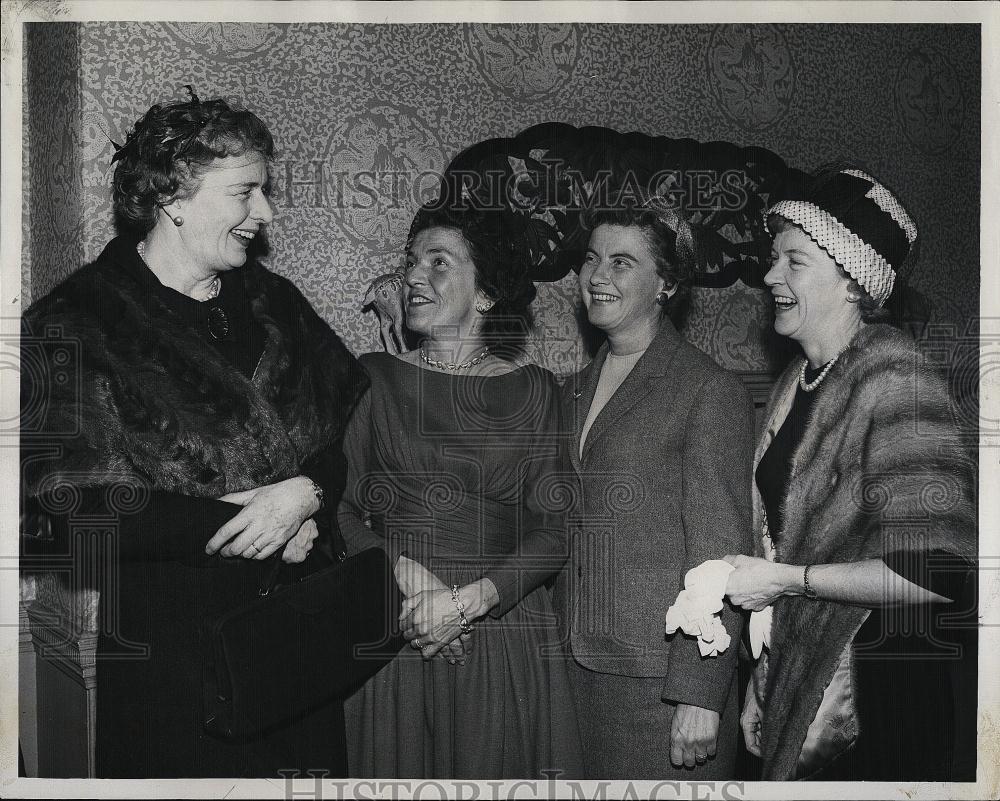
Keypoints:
pixel 672 243
pixel 169 148
pixel 871 312
pixel 502 269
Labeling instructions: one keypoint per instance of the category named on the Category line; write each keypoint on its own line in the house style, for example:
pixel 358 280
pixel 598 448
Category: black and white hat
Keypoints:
pixel 859 223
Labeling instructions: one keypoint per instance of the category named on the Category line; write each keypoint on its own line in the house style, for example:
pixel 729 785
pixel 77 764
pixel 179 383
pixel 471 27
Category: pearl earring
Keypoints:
pixel 178 220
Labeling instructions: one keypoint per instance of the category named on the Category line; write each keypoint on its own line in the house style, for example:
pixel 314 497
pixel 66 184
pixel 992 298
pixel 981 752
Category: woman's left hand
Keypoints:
pixel 413 578
pixel 430 618
pixel 271 516
pixel 757 583
pixel 301 544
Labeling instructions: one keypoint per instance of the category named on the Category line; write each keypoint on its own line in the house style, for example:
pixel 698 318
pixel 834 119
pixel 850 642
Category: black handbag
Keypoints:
pixel 300 645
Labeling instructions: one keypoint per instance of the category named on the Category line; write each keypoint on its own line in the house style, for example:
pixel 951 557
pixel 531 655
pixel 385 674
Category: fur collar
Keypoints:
pixel 147 399
pixel 880 455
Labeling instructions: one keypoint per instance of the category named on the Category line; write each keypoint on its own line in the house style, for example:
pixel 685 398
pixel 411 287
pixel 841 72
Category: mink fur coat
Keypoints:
pixel 122 400
pixel 881 457
pixel 141 396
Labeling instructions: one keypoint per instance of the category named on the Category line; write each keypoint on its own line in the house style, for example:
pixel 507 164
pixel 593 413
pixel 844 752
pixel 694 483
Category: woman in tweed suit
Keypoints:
pixel 662 445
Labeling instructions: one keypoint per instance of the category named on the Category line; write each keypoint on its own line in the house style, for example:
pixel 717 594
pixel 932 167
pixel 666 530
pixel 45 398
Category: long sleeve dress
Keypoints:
pixel 462 473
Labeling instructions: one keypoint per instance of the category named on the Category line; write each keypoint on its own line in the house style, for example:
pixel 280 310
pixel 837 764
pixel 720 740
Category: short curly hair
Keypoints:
pixel 168 150
pixel 502 269
pixel 672 244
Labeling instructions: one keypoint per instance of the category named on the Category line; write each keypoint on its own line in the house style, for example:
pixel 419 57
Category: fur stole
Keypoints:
pixel 116 387
pixel 880 468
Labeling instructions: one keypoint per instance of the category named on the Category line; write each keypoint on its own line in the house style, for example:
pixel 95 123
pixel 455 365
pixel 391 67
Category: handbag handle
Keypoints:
pixel 270 581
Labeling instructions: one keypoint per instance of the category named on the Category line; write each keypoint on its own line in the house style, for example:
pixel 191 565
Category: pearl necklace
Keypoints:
pixel 452 365
pixel 213 290
pixel 819 379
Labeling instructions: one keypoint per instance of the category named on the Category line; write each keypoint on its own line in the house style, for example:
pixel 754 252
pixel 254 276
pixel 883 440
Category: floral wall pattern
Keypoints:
pixel 366 115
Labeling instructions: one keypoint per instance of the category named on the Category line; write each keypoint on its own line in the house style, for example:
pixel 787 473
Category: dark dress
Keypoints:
pixel 146 555
pixel 903 657
pixel 461 473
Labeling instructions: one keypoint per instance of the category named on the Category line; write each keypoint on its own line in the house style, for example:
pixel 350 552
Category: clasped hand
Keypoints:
pixel 427 600
pixel 271 516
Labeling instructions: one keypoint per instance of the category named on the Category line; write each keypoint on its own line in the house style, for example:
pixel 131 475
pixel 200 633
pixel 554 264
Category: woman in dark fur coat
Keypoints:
pixel 201 422
pixel 865 517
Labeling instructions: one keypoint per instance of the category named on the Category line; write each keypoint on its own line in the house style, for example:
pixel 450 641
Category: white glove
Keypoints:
pixel 760 630
pixel 696 609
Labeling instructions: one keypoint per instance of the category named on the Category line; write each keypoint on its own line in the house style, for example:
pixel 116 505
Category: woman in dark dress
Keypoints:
pixel 199 423
pixel 455 466
pixel 864 513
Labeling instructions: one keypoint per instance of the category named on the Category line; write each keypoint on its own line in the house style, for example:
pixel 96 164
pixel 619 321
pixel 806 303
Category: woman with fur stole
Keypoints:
pixel 864 514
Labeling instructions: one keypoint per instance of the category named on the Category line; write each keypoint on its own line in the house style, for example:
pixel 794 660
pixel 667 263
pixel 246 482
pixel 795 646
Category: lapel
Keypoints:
pixel 580 399
pixel 652 365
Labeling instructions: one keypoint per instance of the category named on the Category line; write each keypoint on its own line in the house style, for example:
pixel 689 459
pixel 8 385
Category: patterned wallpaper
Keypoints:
pixel 365 114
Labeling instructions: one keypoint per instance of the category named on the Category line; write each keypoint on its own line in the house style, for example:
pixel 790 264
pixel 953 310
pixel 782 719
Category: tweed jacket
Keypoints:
pixel 880 461
pixel 665 486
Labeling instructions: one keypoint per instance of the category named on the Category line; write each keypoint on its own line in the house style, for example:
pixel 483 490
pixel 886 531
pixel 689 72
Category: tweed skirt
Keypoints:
pixel 625 729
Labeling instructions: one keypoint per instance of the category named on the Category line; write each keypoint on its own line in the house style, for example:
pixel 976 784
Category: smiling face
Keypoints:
pixel 619 281
pixel 224 214
pixel 810 292
pixel 441 289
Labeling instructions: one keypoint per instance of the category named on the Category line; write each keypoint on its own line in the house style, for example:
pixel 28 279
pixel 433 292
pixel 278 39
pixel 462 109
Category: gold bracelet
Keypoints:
pixel 807 588
pixel 463 621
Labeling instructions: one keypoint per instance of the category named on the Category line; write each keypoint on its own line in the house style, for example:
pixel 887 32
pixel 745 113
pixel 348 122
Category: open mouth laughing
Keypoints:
pixel 416 299
pixel 784 303
pixel 243 235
